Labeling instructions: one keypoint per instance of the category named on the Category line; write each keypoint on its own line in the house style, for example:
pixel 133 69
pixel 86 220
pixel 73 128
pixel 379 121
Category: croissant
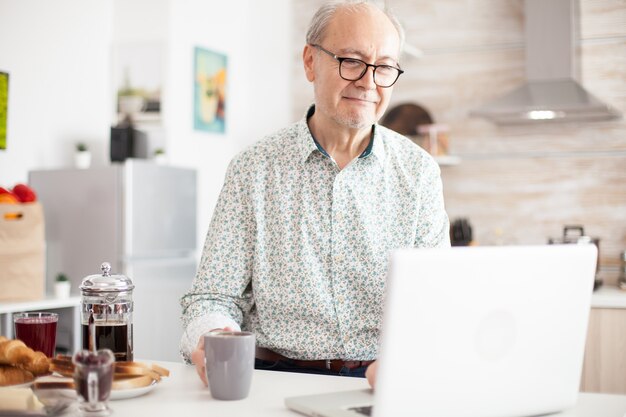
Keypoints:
pixel 10 375
pixel 16 353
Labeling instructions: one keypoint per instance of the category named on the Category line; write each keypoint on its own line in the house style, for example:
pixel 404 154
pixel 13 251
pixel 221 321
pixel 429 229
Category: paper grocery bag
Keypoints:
pixel 22 252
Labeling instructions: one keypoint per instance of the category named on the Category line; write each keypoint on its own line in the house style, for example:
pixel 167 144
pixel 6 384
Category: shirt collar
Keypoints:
pixel 378 145
pixel 308 145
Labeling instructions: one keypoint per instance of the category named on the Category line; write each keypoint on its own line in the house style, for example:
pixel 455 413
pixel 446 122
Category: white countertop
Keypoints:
pixel 182 394
pixel 608 297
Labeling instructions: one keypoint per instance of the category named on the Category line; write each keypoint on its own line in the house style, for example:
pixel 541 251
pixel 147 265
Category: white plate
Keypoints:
pixel 122 394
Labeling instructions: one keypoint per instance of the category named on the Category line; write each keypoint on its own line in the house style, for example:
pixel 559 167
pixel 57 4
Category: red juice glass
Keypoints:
pixel 37 330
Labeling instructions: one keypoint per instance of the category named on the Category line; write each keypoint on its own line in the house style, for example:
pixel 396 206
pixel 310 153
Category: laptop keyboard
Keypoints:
pixel 366 411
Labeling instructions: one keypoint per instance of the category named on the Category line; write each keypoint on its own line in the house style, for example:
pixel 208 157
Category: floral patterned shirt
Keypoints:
pixel 297 249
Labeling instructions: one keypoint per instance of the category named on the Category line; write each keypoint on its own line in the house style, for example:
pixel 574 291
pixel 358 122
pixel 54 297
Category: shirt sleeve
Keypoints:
pixel 200 326
pixel 222 285
pixel 433 225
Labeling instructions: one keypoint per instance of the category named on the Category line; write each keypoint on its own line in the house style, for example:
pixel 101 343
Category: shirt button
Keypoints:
pixel 339 217
pixel 339 258
pixel 341 299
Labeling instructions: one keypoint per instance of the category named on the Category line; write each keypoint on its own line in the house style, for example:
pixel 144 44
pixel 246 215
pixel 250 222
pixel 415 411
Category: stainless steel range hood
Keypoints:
pixel 551 93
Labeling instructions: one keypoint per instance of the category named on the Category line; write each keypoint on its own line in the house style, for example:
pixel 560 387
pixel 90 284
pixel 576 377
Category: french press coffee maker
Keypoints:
pixel 107 313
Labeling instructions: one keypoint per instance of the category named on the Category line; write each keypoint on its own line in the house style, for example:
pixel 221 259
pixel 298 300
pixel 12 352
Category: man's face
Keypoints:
pixel 368 35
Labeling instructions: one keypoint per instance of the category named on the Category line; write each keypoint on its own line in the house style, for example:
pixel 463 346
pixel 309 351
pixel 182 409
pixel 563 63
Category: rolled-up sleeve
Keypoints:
pixel 222 285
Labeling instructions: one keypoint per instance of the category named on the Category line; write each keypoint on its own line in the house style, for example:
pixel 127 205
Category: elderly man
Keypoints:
pixel 297 248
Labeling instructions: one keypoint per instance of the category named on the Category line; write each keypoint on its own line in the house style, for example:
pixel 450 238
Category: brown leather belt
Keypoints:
pixel 331 364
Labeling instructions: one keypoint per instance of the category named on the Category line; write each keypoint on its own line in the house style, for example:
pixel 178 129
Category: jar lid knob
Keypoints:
pixel 106 269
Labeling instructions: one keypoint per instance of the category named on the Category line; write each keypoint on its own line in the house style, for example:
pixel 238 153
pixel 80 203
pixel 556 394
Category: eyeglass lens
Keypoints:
pixel 354 69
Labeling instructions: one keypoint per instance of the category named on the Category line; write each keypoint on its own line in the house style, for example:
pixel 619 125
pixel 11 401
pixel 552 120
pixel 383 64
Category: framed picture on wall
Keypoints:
pixel 4 105
pixel 210 74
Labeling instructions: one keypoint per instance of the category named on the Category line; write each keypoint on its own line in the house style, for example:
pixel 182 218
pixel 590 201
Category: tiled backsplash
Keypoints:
pixel 515 184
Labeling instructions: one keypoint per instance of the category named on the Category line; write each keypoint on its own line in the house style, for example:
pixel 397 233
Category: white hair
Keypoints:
pixel 323 16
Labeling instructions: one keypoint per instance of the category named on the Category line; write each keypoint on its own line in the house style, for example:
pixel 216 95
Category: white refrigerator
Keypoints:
pixel 141 218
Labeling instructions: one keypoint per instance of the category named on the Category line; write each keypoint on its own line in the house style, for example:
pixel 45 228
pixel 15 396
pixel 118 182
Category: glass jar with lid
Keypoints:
pixel 107 313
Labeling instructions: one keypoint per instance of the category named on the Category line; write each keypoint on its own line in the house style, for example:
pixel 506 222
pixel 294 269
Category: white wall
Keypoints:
pixel 59 82
pixel 255 37
pixel 58 54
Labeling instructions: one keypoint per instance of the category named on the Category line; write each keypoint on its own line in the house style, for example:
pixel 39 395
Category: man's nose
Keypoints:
pixel 367 80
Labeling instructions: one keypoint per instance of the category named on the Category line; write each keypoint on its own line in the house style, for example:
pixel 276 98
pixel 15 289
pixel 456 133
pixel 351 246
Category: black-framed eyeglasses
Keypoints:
pixel 352 69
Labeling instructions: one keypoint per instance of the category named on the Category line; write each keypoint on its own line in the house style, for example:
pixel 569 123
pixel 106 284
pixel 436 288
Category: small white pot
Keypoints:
pixel 82 159
pixel 62 289
pixel 160 159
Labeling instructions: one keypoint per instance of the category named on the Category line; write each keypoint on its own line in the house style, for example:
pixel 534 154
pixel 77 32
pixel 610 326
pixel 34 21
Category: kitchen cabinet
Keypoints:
pixel 604 369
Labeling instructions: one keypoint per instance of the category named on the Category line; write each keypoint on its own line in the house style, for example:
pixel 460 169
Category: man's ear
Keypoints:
pixel 308 61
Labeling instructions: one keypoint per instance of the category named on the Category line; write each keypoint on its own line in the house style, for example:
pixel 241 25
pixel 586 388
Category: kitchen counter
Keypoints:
pixel 182 394
pixel 608 296
pixel 46 303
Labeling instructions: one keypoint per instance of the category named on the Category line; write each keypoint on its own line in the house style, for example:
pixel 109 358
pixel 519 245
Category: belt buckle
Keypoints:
pixel 328 363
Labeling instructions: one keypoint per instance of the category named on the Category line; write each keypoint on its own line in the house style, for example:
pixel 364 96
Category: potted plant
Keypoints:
pixel 62 286
pixel 82 157
pixel 159 156
pixel 130 100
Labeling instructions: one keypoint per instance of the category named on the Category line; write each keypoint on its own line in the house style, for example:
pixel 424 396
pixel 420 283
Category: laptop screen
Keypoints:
pixel 484 331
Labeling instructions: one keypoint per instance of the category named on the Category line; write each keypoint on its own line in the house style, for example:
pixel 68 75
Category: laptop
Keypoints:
pixel 476 332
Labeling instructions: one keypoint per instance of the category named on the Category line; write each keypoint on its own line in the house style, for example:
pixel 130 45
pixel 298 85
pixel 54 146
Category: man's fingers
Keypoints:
pixel 202 374
pixel 370 374
pixel 200 343
pixel 223 329
pixel 197 358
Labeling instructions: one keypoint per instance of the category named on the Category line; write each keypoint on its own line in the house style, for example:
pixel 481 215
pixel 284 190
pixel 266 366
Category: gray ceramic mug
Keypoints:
pixel 229 361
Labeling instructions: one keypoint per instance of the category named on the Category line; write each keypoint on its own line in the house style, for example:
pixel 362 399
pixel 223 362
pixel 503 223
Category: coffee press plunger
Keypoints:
pixel 107 313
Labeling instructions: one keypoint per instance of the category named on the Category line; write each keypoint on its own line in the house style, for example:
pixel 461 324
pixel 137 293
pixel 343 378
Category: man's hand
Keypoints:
pixel 370 374
pixel 197 356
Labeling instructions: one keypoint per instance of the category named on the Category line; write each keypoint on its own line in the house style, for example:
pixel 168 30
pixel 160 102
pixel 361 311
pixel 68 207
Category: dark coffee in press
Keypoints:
pixel 107 313
pixel 114 336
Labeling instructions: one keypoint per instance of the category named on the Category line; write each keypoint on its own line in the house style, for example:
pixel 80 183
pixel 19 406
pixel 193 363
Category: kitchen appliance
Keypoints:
pixel 128 141
pixel 575 234
pixel 551 92
pixel 106 313
pixel 140 217
pixel 122 143
pixel 460 232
